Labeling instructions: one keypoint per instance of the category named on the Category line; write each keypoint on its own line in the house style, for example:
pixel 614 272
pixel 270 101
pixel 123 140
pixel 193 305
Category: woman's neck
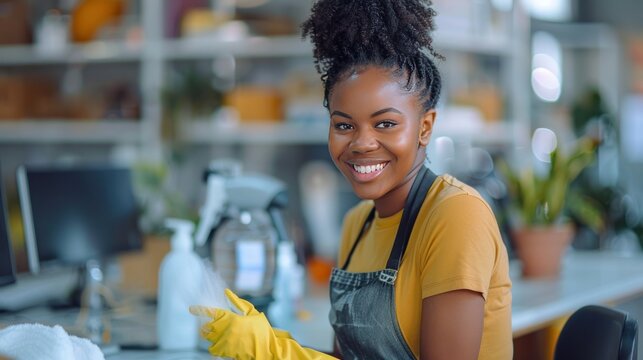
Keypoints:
pixel 394 200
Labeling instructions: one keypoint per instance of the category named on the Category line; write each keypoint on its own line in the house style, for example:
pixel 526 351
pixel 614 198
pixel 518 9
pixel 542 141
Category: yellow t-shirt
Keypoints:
pixel 455 244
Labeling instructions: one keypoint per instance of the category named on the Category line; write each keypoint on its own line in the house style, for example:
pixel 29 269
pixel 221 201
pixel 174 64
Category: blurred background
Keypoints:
pixel 165 87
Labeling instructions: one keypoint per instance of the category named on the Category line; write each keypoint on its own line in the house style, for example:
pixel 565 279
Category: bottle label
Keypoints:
pixel 251 265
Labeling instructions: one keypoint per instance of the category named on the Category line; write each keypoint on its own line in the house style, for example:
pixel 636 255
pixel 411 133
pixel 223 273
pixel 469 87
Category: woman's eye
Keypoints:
pixel 343 126
pixel 385 124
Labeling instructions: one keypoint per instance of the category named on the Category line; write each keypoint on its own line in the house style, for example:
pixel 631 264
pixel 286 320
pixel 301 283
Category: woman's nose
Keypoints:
pixel 363 141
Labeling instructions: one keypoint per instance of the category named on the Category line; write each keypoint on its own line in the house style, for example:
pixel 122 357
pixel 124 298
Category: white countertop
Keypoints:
pixel 586 278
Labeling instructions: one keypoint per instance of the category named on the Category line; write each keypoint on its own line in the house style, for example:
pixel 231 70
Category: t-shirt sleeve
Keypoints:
pixel 459 247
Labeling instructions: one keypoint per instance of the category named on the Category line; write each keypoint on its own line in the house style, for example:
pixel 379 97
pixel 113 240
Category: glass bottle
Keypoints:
pixel 244 254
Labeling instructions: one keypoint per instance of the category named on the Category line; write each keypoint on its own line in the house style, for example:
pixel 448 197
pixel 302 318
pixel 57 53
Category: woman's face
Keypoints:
pixel 378 131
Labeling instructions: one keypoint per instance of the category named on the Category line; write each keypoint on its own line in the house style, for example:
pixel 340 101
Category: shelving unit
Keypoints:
pixel 155 53
pixel 59 131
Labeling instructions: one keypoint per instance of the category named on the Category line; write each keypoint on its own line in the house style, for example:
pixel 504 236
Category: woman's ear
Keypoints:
pixel 426 127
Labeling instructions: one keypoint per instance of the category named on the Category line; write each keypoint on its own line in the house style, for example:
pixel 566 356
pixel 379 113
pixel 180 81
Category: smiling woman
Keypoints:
pixel 423 270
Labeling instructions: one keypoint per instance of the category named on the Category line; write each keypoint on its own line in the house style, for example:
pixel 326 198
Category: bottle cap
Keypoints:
pixel 182 238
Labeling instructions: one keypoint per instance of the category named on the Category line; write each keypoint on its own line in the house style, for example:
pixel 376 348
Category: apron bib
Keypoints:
pixel 363 304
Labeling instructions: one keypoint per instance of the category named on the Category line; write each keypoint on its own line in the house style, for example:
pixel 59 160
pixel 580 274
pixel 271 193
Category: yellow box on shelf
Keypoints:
pixel 256 103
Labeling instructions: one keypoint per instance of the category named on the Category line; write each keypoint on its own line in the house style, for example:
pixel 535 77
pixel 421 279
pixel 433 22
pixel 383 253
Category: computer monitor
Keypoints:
pixel 75 214
pixel 7 265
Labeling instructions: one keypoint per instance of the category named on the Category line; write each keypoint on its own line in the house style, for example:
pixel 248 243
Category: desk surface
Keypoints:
pixel 587 278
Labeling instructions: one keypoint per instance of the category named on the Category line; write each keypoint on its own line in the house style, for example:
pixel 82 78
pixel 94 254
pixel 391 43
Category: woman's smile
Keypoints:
pixel 367 171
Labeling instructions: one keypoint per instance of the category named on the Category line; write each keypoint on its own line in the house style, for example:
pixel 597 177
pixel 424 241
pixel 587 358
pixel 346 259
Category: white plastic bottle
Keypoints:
pixel 289 287
pixel 180 281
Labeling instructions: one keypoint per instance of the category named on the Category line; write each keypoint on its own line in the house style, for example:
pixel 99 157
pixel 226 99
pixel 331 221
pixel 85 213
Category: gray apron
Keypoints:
pixel 363 304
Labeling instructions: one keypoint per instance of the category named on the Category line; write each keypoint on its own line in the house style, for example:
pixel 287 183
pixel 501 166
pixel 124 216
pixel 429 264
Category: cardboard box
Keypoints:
pixel 140 270
pixel 15 27
pixel 487 99
pixel 28 97
pixel 13 98
pixel 255 103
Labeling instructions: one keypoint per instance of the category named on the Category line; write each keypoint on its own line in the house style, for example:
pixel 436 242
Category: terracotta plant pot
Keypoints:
pixel 540 249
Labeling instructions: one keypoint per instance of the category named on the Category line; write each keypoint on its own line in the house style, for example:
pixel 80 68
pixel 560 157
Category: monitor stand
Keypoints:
pixel 92 304
pixel 31 290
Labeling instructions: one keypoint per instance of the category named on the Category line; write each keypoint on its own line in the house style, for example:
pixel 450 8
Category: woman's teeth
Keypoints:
pixel 368 168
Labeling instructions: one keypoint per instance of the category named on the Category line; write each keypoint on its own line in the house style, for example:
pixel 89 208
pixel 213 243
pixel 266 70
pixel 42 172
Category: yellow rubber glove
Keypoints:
pixel 246 308
pixel 249 335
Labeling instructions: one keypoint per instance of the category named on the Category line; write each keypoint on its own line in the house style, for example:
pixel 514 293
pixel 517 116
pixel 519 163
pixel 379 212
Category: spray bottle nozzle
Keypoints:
pixel 179 225
pixel 182 238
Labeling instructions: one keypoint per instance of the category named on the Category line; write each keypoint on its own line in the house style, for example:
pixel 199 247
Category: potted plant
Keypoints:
pixel 540 202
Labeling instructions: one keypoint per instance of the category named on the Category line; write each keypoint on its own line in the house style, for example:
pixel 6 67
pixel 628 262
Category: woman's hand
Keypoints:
pixel 248 335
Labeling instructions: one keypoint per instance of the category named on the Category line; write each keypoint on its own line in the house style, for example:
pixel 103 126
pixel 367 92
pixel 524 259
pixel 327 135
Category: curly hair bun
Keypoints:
pixel 395 34
pixel 349 30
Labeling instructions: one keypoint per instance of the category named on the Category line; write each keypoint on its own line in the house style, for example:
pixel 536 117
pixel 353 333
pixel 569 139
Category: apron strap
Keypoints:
pixel 367 223
pixel 414 201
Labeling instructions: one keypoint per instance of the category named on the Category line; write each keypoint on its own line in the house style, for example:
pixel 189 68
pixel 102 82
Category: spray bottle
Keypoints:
pixel 180 280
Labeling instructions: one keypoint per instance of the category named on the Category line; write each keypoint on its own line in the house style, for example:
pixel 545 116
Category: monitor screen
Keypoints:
pixel 7 266
pixel 72 215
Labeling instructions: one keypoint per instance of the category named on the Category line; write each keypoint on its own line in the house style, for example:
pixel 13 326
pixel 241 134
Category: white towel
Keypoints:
pixel 37 341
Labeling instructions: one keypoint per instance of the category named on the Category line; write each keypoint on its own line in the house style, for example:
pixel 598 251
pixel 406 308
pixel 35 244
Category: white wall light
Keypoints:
pixel 546 70
pixel 442 156
pixel 250 3
pixel 543 143
pixel 502 5
pixel 551 10
pixel 545 84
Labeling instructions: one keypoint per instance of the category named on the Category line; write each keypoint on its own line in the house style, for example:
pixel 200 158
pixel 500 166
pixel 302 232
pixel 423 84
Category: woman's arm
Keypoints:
pixel 452 326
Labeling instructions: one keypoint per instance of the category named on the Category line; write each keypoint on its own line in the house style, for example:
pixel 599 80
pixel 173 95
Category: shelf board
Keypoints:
pixel 70 131
pixel 252 47
pixel 477 44
pixel 498 133
pixel 488 134
pixel 94 52
pixel 263 133
pixel 207 133
pixel 185 49
pixel 294 46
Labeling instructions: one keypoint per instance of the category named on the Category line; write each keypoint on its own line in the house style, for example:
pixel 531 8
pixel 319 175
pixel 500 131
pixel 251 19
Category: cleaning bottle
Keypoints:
pixel 243 250
pixel 288 286
pixel 180 280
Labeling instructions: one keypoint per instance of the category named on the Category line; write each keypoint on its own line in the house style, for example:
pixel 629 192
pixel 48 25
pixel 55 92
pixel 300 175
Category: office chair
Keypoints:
pixel 598 333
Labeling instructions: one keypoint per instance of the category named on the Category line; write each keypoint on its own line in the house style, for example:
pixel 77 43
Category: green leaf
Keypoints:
pixel 586 210
pixel 529 196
